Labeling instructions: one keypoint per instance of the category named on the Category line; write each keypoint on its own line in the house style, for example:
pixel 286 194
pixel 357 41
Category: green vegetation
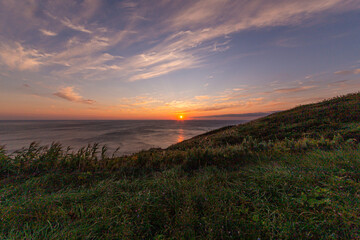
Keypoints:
pixel 325 119
pixel 291 175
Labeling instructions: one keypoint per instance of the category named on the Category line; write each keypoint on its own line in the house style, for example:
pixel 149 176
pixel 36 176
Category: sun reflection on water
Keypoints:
pixel 180 135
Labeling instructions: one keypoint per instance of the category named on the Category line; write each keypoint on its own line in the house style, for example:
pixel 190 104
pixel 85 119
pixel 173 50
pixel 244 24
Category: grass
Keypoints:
pixel 233 183
pixel 324 119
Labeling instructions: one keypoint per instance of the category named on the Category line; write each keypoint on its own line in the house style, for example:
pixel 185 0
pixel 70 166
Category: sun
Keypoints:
pixel 181 117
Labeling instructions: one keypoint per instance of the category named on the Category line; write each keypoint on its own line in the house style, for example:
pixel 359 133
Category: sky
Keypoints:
pixel 205 59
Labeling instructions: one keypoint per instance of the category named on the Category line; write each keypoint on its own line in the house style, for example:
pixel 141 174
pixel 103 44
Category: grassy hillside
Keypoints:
pixel 291 175
pixel 325 119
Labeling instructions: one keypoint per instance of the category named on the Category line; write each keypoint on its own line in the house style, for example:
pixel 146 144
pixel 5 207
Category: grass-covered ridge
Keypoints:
pixel 324 119
pixel 291 175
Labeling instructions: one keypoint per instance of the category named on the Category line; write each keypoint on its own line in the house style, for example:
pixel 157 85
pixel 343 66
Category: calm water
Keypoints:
pixel 130 136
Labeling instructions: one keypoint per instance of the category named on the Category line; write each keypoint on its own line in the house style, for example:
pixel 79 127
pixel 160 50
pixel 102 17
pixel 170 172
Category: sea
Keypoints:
pixel 129 136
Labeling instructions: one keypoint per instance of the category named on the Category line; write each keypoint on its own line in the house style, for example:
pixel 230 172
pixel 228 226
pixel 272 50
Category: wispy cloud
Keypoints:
pixel 140 101
pixel 201 22
pixel 221 47
pixel 191 32
pixel 245 116
pixel 73 26
pixel 150 68
pixel 291 90
pixel 214 107
pixel 204 97
pixel 240 16
pixel 17 57
pixel 222 103
pixel 348 72
pixel 69 94
pixel 47 32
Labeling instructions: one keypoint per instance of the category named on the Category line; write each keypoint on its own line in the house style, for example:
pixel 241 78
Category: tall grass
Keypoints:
pixel 36 159
pixel 308 195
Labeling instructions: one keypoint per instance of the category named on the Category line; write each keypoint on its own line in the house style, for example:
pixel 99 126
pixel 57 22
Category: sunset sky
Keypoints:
pixel 206 59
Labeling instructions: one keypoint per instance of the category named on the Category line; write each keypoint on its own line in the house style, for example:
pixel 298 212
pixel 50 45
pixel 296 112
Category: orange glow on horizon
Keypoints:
pixel 180 117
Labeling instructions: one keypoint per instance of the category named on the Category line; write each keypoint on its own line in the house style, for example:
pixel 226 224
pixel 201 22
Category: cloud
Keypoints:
pixel 205 97
pixel 215 107
pixel 195 25
pixel 193 31
pixel 17 57
pixel 154 68
pixel 183 38
pixel 255 14
pixel 89 7
pixel 68 23
pixel 239 116
pixel 47 32
pixel 221 47
pixel 73 26
pixel 83 49
pixel 69 94
pixel 291 90
pixel 140 101
pixel 348 72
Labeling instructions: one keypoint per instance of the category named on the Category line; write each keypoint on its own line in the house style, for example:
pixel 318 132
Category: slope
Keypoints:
pixel 324 119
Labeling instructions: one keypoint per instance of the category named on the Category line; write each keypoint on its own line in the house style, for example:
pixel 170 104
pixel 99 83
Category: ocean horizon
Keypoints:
pixel 129 136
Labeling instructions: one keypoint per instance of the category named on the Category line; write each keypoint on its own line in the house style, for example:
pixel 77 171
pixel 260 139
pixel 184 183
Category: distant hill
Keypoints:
pixel 324 119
